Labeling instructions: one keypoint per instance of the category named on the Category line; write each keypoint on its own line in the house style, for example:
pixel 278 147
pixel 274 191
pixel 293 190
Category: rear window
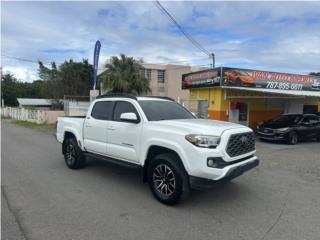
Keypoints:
pixel 102 110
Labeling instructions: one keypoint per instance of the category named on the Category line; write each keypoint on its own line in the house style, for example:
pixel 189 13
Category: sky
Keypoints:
pixel 275 36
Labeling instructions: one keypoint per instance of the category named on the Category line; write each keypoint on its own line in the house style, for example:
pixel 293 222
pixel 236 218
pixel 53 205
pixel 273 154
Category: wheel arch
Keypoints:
pixel 155 150
pixel 67 135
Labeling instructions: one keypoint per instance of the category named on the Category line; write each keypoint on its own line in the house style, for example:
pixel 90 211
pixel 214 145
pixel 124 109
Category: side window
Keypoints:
pixel 102 110
pixel 305 120
pixel 311 120
pixel 314 120
pixel 123 107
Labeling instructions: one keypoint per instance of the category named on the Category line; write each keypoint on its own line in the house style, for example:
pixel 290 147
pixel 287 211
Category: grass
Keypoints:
pixel 4 117
pixel 33 125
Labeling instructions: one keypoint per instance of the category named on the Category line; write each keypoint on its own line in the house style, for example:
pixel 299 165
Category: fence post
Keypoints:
pixel 38 116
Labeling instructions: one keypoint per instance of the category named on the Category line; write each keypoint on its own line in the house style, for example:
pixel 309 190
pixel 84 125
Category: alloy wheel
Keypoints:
pixel 164 180
pixel 70 154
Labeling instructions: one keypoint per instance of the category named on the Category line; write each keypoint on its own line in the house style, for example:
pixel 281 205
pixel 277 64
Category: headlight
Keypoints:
pixel 281 129
pixel 205 141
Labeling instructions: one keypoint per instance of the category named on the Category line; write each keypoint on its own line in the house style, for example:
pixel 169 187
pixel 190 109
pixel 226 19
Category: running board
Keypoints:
pixel 113 161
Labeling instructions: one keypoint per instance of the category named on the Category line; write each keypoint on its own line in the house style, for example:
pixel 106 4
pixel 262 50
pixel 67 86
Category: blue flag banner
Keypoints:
pixel 96 62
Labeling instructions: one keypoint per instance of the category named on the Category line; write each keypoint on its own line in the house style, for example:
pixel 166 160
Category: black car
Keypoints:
pixel 290 128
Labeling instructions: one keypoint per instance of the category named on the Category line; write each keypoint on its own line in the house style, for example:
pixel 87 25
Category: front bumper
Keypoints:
pixel 204 183
pixel 272 136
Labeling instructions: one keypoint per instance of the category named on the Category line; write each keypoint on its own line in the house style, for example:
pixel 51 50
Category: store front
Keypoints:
pixel 249 96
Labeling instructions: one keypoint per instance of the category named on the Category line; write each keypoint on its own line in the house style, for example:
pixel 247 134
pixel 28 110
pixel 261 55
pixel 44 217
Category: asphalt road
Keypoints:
pixel 43 199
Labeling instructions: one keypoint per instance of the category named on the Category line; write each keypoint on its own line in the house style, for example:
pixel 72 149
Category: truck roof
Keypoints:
pixel 123 95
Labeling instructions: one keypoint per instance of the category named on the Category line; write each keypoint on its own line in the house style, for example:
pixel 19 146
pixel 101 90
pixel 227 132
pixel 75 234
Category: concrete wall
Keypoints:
pixel 76 108
pixel 37 116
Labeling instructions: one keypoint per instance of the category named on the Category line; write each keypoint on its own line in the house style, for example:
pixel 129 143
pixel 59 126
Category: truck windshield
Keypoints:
pixel 164 110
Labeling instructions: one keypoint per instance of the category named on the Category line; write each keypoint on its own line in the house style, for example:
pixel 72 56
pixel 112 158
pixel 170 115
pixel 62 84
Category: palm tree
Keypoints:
pixel 125 75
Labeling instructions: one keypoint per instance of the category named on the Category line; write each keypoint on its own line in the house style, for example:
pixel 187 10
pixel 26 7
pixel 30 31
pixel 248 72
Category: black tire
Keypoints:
pixel 292 138
pixel 73 155
pixel 168 179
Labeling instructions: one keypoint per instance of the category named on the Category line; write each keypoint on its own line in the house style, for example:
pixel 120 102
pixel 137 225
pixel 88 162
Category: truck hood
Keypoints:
pixel 200 126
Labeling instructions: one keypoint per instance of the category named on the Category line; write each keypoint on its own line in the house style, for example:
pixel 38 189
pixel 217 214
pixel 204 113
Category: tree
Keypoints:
pixel 315 73
pixel 70 78
pixel 9 90
pixel 125 75
pixel 12 89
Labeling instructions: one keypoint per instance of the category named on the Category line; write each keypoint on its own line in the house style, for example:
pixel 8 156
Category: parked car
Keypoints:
pixel 240 78
pixel 175 150
pixel 291 128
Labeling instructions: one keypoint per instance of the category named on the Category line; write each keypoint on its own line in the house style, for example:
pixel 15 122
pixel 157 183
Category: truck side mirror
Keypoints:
pixel 129 117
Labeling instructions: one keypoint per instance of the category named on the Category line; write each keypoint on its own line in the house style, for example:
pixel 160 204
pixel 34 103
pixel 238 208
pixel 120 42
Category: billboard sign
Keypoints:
pixel 237 77
pixel 205 78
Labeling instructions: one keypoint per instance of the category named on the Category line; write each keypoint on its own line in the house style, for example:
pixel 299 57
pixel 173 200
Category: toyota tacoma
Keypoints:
pixel 176 151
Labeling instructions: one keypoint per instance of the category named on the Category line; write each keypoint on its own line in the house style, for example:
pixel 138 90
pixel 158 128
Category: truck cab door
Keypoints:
pixel 124 136
pixel 95 129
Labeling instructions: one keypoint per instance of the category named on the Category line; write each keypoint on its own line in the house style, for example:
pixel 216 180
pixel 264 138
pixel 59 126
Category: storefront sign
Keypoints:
pixel 206 78
pixel 236 77
pixel 272 80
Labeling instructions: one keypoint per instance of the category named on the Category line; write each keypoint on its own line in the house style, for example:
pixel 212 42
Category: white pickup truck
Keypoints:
pixel 175 150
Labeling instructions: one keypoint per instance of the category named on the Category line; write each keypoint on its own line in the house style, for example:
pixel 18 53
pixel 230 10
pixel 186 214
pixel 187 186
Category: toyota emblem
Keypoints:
pixel 244 140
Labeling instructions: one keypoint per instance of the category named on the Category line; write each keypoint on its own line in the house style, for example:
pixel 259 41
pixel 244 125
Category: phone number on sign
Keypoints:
pixel 284 86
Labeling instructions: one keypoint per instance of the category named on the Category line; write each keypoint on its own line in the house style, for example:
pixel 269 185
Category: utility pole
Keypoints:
pixel 213 60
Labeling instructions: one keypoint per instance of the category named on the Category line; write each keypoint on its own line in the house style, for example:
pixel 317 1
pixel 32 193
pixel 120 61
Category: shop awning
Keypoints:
pixel 278 91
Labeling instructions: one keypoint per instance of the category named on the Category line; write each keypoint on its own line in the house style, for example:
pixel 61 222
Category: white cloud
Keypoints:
pixel 20 73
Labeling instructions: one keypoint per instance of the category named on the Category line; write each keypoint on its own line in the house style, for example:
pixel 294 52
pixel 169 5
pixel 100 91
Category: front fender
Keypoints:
pixel 172 145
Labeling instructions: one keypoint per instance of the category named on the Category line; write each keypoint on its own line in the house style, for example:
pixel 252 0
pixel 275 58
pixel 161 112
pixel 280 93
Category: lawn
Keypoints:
pixel 4 117
pixel 33 125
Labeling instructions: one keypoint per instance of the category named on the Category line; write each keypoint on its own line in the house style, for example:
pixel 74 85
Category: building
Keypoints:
pixel 36 103
pixel 165 80
pixel 250 96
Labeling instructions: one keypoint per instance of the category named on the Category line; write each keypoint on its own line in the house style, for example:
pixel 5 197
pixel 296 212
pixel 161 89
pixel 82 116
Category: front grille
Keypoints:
pixel 240 143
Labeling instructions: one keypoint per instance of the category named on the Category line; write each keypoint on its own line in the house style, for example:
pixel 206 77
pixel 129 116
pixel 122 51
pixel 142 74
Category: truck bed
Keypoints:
pixel 74 123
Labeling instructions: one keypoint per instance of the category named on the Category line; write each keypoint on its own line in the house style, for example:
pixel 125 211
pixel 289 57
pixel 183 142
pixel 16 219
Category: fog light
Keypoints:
pixel 210 163
pixel 215 162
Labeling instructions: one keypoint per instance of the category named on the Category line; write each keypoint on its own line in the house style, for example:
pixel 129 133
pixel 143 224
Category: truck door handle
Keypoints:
pixel 88 125
pixel 111 128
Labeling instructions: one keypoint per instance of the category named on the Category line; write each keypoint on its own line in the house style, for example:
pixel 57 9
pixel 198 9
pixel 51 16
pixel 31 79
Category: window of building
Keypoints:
pixel 102 110
pixel 147 74
pixel 161 74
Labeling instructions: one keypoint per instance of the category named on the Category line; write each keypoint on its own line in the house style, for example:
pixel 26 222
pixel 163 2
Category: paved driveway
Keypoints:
pixel 44 200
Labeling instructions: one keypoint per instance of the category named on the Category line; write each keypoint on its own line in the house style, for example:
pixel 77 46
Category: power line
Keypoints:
pixel 49 63
pixel 187 35
pixel 19 59
pixel 203 65
pixel 32 61
pixel 24 59
pixel 183 61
